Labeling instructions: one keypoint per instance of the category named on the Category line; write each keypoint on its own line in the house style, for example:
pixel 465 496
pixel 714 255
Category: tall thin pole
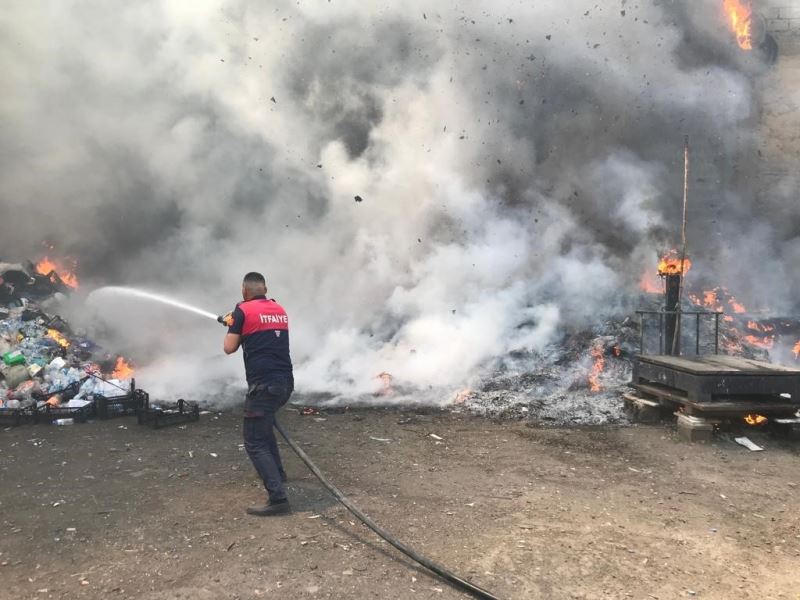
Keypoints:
pixel 685 193
pixel 677 334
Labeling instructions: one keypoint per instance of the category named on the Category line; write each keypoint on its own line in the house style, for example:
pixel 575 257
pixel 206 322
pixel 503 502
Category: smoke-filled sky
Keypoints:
pixel 519 165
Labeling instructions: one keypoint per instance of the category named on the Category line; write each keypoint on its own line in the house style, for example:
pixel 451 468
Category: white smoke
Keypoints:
pixel 517 166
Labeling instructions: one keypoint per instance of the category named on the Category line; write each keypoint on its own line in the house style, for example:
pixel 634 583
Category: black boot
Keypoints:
pixel 270 509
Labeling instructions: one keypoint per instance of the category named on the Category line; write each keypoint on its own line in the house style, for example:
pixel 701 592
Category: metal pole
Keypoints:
pixel 716 333
pixel 671 312
pixel 641 333
pixel 676 336
pixel 697 334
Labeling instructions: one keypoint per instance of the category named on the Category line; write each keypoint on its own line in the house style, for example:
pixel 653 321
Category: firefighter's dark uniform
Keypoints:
pixel 264 330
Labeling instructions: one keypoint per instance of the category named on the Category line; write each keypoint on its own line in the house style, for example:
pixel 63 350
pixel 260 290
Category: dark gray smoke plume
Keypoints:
pixel 517 168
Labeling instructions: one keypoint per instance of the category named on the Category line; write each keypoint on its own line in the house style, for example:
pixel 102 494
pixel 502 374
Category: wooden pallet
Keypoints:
pixel 718 385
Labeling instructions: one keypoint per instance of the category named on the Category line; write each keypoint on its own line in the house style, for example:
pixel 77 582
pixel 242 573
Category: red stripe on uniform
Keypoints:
pixel 263 315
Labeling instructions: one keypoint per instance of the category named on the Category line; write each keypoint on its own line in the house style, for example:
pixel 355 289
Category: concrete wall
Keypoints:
pixel 778 157
pixel 783 16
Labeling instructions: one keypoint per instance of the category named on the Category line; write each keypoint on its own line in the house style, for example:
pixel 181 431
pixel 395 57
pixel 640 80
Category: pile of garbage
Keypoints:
pixel 46 365
pixel 578 379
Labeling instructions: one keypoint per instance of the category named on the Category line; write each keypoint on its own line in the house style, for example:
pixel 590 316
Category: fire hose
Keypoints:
pixel 445 574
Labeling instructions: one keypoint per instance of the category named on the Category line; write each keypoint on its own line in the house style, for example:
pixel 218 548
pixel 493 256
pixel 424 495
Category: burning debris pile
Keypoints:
pixel 576 381
pixel 580 379
pixel 48 370
pixel 538 194
pixel 743 331
pixel 535 188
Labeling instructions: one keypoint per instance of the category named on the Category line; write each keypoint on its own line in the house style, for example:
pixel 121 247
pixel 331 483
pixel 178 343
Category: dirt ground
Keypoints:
pixel 113 510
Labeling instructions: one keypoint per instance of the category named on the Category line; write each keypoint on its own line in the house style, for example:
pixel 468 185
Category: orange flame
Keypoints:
pixel 796 349
pixel 670 264
pixel 57 336
pixel 47 266
pixel 713 300
pixel 739 14
pixel 463 396
pixel 737 307
pixel 732 346
pixel 710 300
pixel 765 342
pixel 650 284
pixel 755 419
pixel 123 369
pixel 756 326
pixel 757 334
pixel 599 356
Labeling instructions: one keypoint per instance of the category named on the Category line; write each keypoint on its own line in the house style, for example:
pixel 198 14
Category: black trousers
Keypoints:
pixel 261 406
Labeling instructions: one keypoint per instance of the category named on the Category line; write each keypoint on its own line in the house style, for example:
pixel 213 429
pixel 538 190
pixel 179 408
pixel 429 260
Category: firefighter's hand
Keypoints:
pixel 226 320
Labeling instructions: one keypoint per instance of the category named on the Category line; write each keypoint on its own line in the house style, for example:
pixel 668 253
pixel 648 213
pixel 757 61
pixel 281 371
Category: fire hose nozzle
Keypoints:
pixel 226 320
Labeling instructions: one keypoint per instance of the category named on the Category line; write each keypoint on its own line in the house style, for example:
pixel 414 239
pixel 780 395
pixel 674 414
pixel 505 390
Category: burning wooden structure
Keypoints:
pixel 706 387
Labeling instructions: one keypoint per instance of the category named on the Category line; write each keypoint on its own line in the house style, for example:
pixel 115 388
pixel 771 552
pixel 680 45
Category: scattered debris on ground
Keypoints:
pixel 52 373
pixel 632 510
pixel 47 365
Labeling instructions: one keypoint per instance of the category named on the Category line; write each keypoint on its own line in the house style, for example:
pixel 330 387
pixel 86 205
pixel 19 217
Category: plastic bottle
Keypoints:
pixel 14 357
pixel 64 421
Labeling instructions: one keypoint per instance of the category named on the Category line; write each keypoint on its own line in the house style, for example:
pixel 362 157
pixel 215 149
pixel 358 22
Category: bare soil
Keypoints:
pixel 113 510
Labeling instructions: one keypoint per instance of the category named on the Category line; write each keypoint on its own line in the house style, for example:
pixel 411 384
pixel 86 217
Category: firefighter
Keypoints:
pixel 261 327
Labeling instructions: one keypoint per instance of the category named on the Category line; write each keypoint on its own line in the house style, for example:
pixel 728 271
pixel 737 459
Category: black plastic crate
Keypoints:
pixel 66 393
pixel 11 417
pixel 49 414
pixel 123 405
pixel 181 412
